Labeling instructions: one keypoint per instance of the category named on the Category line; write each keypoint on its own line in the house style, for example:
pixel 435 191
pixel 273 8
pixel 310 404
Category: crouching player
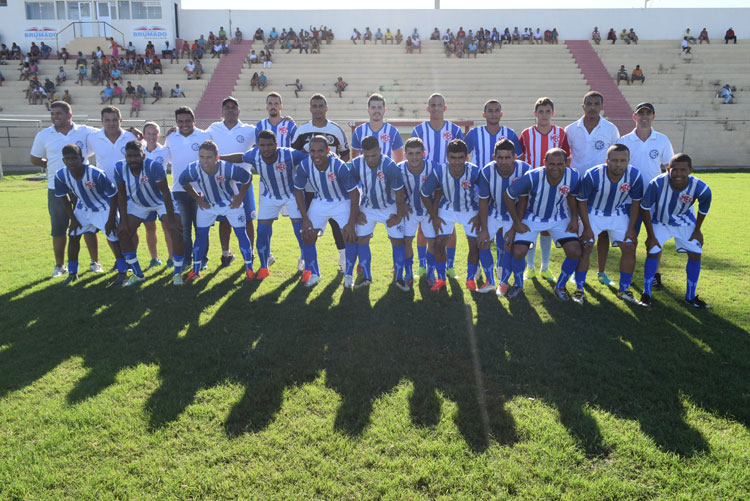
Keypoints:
pixel 548 189
pixel 494 220
pixel 379 178
pixel 143 195
pixel 218 197
pixel 667 210
pixel 89 198
pixel 609 201
pixel 335 197
pixel 453 186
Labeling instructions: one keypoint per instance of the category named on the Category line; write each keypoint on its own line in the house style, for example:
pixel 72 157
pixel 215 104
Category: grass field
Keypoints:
pixel 222 389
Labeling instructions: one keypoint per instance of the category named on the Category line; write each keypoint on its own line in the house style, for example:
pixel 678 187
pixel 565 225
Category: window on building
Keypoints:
pixel 146 10
pixel 40 10
pixel 3 3
pixel 73 13
pixel 124 8
pixel 60 7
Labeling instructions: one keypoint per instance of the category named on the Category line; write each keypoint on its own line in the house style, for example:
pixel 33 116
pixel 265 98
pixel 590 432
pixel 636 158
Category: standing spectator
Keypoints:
pixel 729 35
pixel 115 48
pixel 297 87
pixel 135 106
pixel 703 37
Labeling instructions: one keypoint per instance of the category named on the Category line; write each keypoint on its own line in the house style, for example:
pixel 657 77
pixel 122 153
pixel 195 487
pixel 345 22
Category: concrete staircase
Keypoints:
pixel 222 81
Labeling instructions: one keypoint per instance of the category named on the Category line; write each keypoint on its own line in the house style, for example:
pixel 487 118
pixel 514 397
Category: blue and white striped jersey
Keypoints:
pixel 605 198
pixel 387 135
pixel 284 131
pixel 482 144
pixel 492 185
pixel 674 208
pixel 436 141
pixel 219 188
pixel 459 194
pixel 277 179
pixel 377 184
pixel 546 202
pixel 142 189
pixel 93 190
pixel 332 184
pixel 413 185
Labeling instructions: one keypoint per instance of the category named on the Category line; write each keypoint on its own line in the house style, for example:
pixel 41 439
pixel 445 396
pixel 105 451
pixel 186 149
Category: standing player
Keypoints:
pixel 611 194
pixel 159 154
pixel 391 144
pixel 494 220
pixel 435 134
pixel 379 178
pixel 217 181
pixel 335 197
pixel 482 140
pixel 232 135
pixel 455 201
pixel 537 140
pixel 46 152
pixel 589 139
pixel 667 210
pixel 548 189
pixel 283 127
pixel 88 196
pixel 143 193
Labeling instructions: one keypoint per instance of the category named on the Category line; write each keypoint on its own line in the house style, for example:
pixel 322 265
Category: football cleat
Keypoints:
pixel 134 279
pixel 226 260
pixel 153 264
pixel 177 279
pixel 488 287
pixel 70 279
pixel 348 282
pixel 698 303
pixel 271 260
pixel 529 273
pixel 451 273
pixel 514 291
pixel 314 279
pixel 627 295
pixel 437 285
pixel 192 276
pixel 306 276
pixel 170 263
pixel 364 283
pixel 401 285
pixel 118 281
pixel 421 272
pixel 96 267
pixel 657 285
pixel 59 271
pixel 262 273
pixel 578 296
pixel 547 275
pixel 562 293
pixel 604 279
pixel 645 300
pixel 250 275
pixel 502 289
pixel 471 285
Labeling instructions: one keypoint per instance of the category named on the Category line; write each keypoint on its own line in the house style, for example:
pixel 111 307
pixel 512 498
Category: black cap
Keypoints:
pixel 647 106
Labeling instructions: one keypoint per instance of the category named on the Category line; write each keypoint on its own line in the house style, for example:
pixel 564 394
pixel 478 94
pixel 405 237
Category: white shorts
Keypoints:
pixel 556 229
pixel 452 218
pixel 414 221
pixel 375 216
pixel 207 217
pixel 681 234
pixel 91 222
pixel 149 213
pixel 616 226
pixel 495 224
pixel 321 211
pixel 270 208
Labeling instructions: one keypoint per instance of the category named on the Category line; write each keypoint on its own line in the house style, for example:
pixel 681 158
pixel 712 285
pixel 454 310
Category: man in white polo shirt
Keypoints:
pixel 589 138
pixel 46 152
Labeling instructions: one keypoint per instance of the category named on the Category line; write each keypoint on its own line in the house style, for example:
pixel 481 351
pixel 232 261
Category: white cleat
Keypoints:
pixel 59 271
pixel 271 260
pixel 177 280
pixel 348 282
pixel 96 267
pixel 488 287
pixel 134 279
pixel 301 265
pixel 314 279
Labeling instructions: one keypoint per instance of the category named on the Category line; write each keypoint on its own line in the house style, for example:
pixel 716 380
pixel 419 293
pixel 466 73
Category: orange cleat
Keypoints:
pixel 262 273
pixel 437 285
pixel 249 275
pixel 192 276
pixel 306 276
pixel 471 285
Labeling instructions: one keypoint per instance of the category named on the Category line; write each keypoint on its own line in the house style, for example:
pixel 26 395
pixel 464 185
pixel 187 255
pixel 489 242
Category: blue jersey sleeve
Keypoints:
pixel 483 183
pixel 188 175
pixel 470 140
pixel 397 142
pixel 704 199
pixel 239 174
pixel 587 186
pixel 356 139
pixel 393 175
pixel 636 191
pixel 432 183
pixel 513 137
pixel 649 197
pixel 61 188
pixel 119 179
pixel 459 134
pixel 298 156
pixel 105 186
pixel 345 176
pixel 300 177
pixel 521 187
pixel 575 184
pixel 249 156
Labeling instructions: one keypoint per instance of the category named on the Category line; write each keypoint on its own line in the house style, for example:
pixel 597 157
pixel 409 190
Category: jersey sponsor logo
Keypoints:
pixel 466 184
pixel 385 138
pixel 143 179
pixel 281 167
pixel 195 146
pixel 380 175
pixel 447 136
pixel 240 139
pixel 653 154
pixel 599 145
pixel 686 199
pixel 331 176
pixel 89 184
pixel 624 187
pixel 564 190
pixel 283 130
pixel 221 179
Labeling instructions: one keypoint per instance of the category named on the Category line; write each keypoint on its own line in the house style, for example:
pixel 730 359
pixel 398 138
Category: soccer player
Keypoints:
pixel 482 140
pixel 283 127
pixel 143 193
pixel 276 169
pixel 494 220
pixel 435 134
pixel 391 144
pixel 232 135
pixel 547 189
pixel 455 201
pixel 667 210
pixel 46 152
pixel 536 141
pixel 589 139
pixel 217 181
pixel 335 197
pixel 88 196
pixel 610 197
pixel 380 179
pixel 159 154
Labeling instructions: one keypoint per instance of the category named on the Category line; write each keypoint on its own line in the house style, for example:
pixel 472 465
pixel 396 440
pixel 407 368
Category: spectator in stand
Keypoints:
pixel 114 47
pixel 632 37
pixel 238 36
pixel 2 79
pixel 689 36
pixel 254 81
pixel 367 36
pixel 259 35
pixel 51 98
pixel 409 46
pixel 202 43
pixel 216 49
pixel 61 76
pixel 729 35
pixel 516 36
pixel 34 50
pixel 63 55
pixel 703 37
pixel 225 47
pixel 262 81
pixel 81 60
pixel 222 34
pixel 379 37
pixel 685 46
pixel 555 36
pixel 156 66
pixel 198 51
pixel 314 48
pixel 538 37
pixel 116 74
pixel 399 37
pixel 98 53
pixel 135 106
pixel 726 94
pixel 171 53
pixel 66 97
pixel 388 36
pixel 130 51
pixel 356 35
pixel 473 49
pixel 624 36
pixel 129 91
pixel 185 52
pixel 297 87
pixel 157 92
pixel 45 50
pixel 189 69
pixel 435 34
pixel 177 91
pixel 150 49
pixel 117 93
pixel 49 85
pixel 622 74
pixel 198 69
pixel 81 74
pixel 637 74
pixel 252 58
pixel 612 35
pixel 269 61
pixel 340 86
pixel 15 51
pixel 107 94
pixel 416 43
pixel 140 92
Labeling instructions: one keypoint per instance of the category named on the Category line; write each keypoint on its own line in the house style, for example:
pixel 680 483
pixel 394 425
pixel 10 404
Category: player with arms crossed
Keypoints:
pixel 548 189
pixel 667 210
pixel 391 144
pixel 611 193
pixel 217 181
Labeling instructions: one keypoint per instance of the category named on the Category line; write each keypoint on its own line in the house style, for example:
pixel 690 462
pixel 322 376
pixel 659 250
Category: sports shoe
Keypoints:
pixel 362 284
pixel 578 296
pixel 59 271
pixel 70 279
pixel 471 285
pixel 529 273
pixel 306 276
pixel 514 291
pixel 342 262
pixel 134 279
pixel 262 273
pixel 226 260
pixel 348 282
pixel 697 302
pixel 153 264
pixel 314 279
pixel 604 279
pixel 118 281
pixel 177 279
pixel 547 275
pixel 271 260
pixel 421 272
pixel 645 300
pixel 562 293
pixel 96 267
pixel 170 263
pixel 402 285
pixel 657 285
pixel 502 289
pixel 192 276
pixel 498 271
pixel 249 276
pixel 488 287
pixel 451 273
pixel 204 264
pixel 627 295
pixel 437 285
pixel 301 265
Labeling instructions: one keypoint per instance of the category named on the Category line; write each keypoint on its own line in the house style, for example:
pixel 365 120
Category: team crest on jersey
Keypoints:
pixel 240 139
pixel 424 178
pixel 686 199
pixel 143 179
pixel 159 160
pixel 380 175
pixel 447 136
pixel 331 176
pixel 599 145
pixel 653 154
pixel 554 138
pixel 283 130
pixel 385 138
pixel 79 144
pixel 241 218
pixel 624 187
pixel 89 184
pixel 221 179
pixel 563 190
pixel 195 146
pixel 122 150
pixel 281 167
pixel 466 184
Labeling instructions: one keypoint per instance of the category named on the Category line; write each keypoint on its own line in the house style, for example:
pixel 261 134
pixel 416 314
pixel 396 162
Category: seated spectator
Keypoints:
pixel 254 80
pixel 689 36
pixel 435 34
pixel 96 73
pixel 340 86
pixel 703 37
pixel 416 43
pixel 61 76
pixel 516 36
pixel 538 37
pixel 262 81
pixel 367 36
pixel 415 33
pixel 49 85
pixel 314 48
pixel 140 66
pixel 107 94
pixel 140 92
pixel 460 34
pixel 189 69
pixel 81 60
pixel 450 48
pixel 238 36
pixel 198 52
pixel 169 52
pixel 130 51
pixel 409 46
pixel 5 54
pixel 378 36
pixel 98 53
pixel 685 46
pixel 388 36
pixel 506 37
pixel 63 55
pixel 177 91
pixel 259 35
pixel 34 68
pixel 624 36
pixel 612 35
pixel 156 66
pixel 185 52
pixel 399 37
pixel 150 49
pixel 268 62
pixel 727 94
pixel 135 106
pixel 45 50
pixel 222 34
pixel 729 35
pixel 202 43
pixel 297 87
pixel 116 74
pixel 555 36
pixel 51 98
pixel 252 58
pixel 356 35
pixel 216 49
pixel 157 92
pixel 198 69
pixel 34 50
pixel 632 37
pixel 15 51
pixel 117 93
pixel 528 35
pixel 622 74
pixel 67 97
pixel 129 91
pixel 473 49
pixel 637 74
pixel 82 74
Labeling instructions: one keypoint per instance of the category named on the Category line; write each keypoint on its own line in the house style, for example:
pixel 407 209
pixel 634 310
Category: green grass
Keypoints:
pixel 222 389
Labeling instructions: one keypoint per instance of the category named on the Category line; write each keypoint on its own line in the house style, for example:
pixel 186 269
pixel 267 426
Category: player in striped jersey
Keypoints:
pixel 217 182
pixel 336 197
pixel 160 154
pixel 453 186
pixel 548 189
pixel 380 179
pixel 435 134
pixel 667 210
pixel 391 144
pixel 283 127
pixel 89 198
pixel 611 195
pixel 494 220
pixel 275 166
pixel 143 193
pixel 481 140
pixel 536 141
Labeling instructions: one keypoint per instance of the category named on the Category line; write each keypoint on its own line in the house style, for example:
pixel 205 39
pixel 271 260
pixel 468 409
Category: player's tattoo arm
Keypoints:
pixel 235 158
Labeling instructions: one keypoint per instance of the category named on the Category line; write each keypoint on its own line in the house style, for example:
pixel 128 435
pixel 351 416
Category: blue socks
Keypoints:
pixel 567 269
pixel 409 269
pixel 440 269
pixel 485 257
pixel 199 248
pixel 471 271
pixel 399 257
pixel 350 252
pixel 507 267
pixel 581 279
pixel 431 265
pixel 625 280
pixel 451 257
pixel 246 248
pixel 517 266
pixel 132 259
pixel 122 265
pixel 365 256
pixel 649 270
pixel 693 271
pixel 72 267
pixel 422 255
pixel 263 243
pixel 310 254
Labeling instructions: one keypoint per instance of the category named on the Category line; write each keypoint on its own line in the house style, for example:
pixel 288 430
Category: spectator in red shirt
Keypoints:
pixel 730 36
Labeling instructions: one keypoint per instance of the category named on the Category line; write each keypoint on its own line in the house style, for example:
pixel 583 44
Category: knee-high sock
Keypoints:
pixel 485 257
pixel 199 247
pixel 451 251
pixel 518 265
pixel 693 271
pixel 263 243
pixel 365 255
pixel 399 256
pixel 246 248
pixel 649 270
pixel 581 279
pixel 409 269
pixel 121 264
pixel 499 244
pixel 422 255
pixel 297 227
pixel 507 265
pixel 431 264
pixel 178 260
pixel 531 256
pixel 351 258
pixel 440 266
pixel 545 248
pixel 132 259
pixel 566 270
pixel 310 254
pixel 625 280
pixel 72 267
